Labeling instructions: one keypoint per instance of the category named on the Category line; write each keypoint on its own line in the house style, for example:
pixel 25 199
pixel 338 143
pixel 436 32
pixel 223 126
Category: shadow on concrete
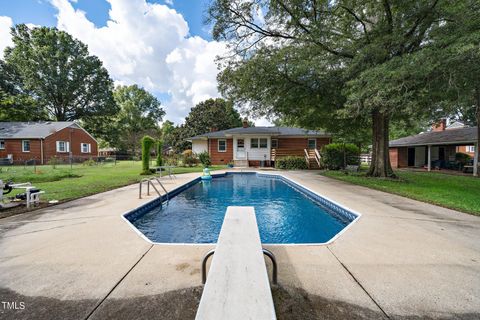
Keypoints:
pixel 290 303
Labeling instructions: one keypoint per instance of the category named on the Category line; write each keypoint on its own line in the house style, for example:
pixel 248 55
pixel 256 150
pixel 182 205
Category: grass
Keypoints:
pixel 65 183
pixel 455 192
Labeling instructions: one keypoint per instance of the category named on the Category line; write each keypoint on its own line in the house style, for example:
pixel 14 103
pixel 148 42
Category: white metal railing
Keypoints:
pixel 149 182
pixel 366 158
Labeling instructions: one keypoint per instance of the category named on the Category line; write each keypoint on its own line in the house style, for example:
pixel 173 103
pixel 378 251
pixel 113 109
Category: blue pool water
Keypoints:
pixel 284 214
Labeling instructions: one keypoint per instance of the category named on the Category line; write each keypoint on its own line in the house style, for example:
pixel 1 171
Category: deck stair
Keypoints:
pixel 237 286
pixel 313 159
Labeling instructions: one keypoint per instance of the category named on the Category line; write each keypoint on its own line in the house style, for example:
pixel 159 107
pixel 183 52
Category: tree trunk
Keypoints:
pixel 380 165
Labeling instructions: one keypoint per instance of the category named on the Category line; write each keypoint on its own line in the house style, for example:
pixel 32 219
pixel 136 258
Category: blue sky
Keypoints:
pixel 41 12
pixel 161 45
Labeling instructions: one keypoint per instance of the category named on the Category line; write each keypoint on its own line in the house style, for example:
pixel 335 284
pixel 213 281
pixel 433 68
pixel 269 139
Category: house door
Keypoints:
pixel 411 157
pixel 441 154
pixel 241 149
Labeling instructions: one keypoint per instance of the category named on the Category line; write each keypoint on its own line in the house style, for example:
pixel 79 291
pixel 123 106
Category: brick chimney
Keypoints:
pixel 245 122
pixel 213 129
pixel 440 126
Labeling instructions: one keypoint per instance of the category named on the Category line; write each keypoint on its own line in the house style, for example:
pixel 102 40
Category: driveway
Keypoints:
pixel 403 259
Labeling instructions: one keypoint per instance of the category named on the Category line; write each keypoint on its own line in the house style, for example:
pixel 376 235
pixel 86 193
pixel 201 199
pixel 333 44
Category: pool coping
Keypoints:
pixel 288 180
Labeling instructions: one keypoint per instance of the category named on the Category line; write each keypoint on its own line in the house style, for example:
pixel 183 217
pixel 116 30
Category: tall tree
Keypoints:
pixel 323 61
pixel 58 73
pixel 140 114
pixel 217 114
pixel 167 129
pixel 457 53
pixel 211 114
pixel 16 104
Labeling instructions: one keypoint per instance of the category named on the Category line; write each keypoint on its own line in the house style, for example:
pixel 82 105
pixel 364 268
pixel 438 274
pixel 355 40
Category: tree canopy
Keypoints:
pixel 55 75
pixel 216 114
pixel 340 65
pixel 139 115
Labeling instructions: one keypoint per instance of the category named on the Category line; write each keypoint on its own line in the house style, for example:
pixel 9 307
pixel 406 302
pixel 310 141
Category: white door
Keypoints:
pixel 240 149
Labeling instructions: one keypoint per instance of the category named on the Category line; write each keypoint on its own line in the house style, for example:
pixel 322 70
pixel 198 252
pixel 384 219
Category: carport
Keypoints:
pixel 434 148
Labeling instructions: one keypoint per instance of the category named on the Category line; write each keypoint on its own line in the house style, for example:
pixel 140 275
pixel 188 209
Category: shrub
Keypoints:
pixel 291 163
pixel 187 153
pixel 204 158
pixel 89 162
pixel 159 153
pixel 334 155
pixel 147 143
pixel 189 161
pixel 462 158
pixel 172 160
pixel 53 161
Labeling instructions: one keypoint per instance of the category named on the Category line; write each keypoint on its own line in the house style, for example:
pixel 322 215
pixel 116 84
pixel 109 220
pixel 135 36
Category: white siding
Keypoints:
pixel 258 153
pixel 199 146
pixel 255 153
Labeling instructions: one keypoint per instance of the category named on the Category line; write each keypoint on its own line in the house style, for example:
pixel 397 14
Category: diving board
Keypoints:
pixel 237 285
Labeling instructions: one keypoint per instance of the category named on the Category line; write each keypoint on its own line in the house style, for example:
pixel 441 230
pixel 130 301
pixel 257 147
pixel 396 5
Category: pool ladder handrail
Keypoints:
pixel 266 252
pixel 149 182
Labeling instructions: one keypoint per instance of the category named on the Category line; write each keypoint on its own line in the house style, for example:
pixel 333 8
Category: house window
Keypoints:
pixel 312 143
pixel 263 143
pixel 25 145
pixel 2 144
pixel 240 143
pixel 259 143
pixel 63 146
pixel 470 148
pixel 85 147
pixel 274 143
pixel 222 145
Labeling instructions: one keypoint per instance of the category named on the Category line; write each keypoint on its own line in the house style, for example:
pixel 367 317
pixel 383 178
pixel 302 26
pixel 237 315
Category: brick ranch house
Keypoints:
pixel 23 141
pixel 435 148
pixel 255 146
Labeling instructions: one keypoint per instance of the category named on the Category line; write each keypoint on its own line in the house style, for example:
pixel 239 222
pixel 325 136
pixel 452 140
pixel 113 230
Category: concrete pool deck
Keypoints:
pixel 401 259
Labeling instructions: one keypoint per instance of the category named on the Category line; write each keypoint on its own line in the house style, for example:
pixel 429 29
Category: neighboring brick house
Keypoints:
pixel 23 141
pixel 255 146
pixel 435 148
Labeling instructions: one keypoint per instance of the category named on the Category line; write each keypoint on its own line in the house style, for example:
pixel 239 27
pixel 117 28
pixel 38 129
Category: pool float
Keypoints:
pixel 206 174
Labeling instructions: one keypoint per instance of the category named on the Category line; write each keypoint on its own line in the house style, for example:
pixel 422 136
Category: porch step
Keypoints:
pixel 313 164
pixel 240 163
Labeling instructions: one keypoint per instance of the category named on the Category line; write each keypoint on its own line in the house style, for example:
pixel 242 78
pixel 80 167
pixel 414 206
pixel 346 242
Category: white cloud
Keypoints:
pixel 5 39
pixel 148 44
pixel 263 122
pixel 169 2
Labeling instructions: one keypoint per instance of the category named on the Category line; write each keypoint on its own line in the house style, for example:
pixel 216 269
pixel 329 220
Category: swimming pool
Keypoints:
pixel 287 213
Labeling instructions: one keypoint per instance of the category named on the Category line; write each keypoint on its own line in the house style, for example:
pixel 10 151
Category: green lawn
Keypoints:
pixel 455 192
pixel 64 183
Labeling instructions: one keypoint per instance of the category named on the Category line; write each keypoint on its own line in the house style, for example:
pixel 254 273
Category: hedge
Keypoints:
pixel 147 144
pixel 291 163
pixel 334 155
pixel 159 153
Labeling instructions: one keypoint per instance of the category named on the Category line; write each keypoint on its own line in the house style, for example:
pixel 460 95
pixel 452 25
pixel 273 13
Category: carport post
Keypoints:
pixel 475 160
pixel 429 164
